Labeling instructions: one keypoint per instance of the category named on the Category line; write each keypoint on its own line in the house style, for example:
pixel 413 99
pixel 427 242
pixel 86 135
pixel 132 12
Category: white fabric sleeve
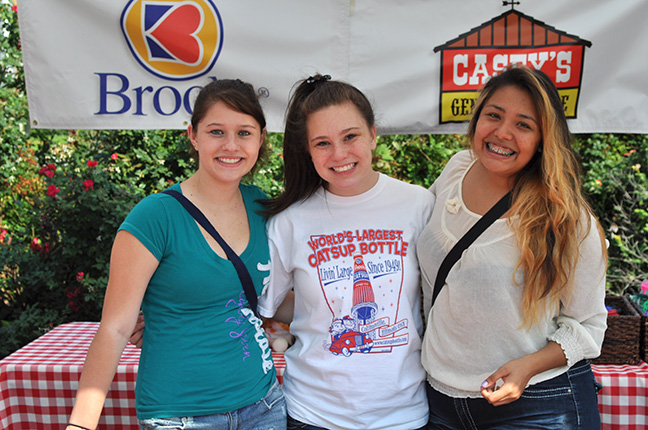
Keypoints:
pixel 427 284
pixel 583 317
pixel 281 279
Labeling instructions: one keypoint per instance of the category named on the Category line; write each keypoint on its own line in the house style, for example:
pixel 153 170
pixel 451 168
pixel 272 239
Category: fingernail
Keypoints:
pixel 484 384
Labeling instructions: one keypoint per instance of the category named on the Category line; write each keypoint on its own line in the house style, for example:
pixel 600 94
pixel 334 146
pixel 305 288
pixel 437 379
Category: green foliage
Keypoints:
pixel 615 168
pixel 11 69
pixel 269 174
pixel 417 159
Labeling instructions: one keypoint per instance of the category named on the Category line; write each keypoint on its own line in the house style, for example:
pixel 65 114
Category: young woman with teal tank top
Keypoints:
pixel 205 360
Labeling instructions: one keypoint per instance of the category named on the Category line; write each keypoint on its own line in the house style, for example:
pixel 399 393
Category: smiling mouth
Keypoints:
pixel 345 168
pixel 499 150
pixel 227 160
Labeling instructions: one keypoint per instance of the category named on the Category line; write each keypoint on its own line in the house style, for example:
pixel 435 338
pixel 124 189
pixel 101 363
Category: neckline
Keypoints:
pixel 370 194
pixel 248 211
pixel 461 199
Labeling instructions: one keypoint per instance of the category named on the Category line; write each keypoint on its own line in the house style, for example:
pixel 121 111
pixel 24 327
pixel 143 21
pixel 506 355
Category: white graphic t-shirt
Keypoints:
pixel 352 263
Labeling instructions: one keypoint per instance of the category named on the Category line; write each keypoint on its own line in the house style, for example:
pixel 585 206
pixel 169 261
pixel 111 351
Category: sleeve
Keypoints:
pixel 148 222
pixel 281 273
pixel 583 317
pixel 426 214
pixel 429 199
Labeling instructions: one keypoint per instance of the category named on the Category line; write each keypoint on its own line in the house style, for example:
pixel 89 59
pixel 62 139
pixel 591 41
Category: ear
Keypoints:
pixel 264 133
pixel 192 137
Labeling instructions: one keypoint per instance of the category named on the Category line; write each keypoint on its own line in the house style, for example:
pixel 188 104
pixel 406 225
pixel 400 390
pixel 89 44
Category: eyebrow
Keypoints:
pixel 345 131
pixel 220 124
pixel 498 107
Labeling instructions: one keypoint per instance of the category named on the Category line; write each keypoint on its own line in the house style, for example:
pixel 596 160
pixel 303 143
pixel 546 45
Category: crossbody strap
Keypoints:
pixel 454 255
pixel 244 275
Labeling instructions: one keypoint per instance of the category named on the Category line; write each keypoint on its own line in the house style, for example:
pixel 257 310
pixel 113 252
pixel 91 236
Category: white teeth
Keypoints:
pixel 498 150
pixel 344 168
pixel 229 160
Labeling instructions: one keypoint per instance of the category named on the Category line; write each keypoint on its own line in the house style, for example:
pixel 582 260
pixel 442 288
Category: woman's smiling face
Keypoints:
pixel 340 144
pixel 227 142
pixel 508 132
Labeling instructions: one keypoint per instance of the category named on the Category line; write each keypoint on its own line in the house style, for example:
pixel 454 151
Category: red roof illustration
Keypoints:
pixel 512 29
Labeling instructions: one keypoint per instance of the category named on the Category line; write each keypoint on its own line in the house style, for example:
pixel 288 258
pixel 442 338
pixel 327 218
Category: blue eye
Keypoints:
pixel 217 132
pixel 244 133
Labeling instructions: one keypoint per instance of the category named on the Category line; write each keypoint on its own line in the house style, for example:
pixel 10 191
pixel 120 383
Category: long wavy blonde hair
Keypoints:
pixel 553 213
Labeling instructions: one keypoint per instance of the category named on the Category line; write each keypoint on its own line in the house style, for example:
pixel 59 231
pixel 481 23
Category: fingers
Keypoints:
pixel 138 332
pixel 136 339
pixel 503 395
pixel 501 387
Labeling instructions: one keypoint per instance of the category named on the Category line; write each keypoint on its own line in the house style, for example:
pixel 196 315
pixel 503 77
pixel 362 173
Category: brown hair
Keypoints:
pixel 554 216
pixel 301 179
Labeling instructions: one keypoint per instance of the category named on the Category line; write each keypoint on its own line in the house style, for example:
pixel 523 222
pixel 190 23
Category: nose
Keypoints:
pixel 230 142
pixel 504 131
pixel 339 151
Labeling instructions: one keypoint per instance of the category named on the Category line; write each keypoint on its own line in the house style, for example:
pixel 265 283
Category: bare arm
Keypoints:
pixel 286 309
pixel 131 268
pixel 517 373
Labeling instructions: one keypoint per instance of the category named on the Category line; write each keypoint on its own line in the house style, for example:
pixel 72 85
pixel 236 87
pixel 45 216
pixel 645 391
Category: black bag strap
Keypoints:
pixel 471 235
pixel 244 275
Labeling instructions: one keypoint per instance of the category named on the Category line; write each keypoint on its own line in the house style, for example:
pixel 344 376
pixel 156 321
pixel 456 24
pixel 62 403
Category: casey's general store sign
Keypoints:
pixel 513 37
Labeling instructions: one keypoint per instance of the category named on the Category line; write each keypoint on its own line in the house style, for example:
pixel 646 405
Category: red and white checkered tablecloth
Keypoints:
pixel 623 401
pixel 38 383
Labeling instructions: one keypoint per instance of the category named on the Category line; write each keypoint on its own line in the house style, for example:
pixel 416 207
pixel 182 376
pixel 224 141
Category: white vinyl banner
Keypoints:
pixel 138 64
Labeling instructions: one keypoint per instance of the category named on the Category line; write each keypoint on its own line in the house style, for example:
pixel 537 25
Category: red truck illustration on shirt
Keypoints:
pixel 350 342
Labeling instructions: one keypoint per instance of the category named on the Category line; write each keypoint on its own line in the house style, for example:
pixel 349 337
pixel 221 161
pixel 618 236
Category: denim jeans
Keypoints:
pixel 268 413
pixel 293 424
pixel 566 402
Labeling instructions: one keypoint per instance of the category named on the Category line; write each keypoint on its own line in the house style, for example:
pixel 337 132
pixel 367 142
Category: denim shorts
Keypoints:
pixel 566 402
pixel 268 413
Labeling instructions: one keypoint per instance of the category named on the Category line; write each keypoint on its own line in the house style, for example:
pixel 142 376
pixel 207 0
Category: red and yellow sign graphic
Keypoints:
pixel 175 40
pixel 468 61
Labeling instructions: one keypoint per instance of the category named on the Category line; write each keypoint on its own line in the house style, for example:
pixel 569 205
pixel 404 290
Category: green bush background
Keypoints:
pixel 63 194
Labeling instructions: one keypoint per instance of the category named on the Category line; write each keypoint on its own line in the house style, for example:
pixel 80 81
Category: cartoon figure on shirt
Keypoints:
pixel 345 340
pixel 362 329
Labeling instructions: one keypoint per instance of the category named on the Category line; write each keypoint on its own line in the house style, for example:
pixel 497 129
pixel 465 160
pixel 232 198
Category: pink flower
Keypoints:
pixel 80 276
pixel 88 184
pixel 91 163
pixel 114 156
pixel 52 190
pixel 14 8
pixel 73 306
pixel 35 245
pixel 47 170
pixel 3 234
